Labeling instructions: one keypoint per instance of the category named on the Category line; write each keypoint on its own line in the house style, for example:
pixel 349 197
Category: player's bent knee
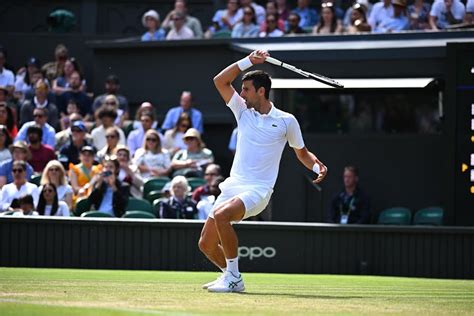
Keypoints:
pixel 206 245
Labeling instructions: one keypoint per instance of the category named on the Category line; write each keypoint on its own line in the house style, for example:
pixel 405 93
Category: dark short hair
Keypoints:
pixel 352 169
pixel 107 111
pixel 19 163
pixel 35 129
pixel 112 79
pixel 44 110
pixel 26 199
pixel 260 79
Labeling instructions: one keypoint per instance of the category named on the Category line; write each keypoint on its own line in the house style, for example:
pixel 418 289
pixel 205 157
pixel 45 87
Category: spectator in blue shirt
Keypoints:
pixel 40 116
pixel 186 103
pixel 21 152
pixel 308 17
pixel 398 22
pixel 151 20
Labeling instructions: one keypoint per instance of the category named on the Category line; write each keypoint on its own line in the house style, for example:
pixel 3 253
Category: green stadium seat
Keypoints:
pixel 154 184
pixel 95 214
pixel 222 34
pixel 135 204
pixel 429 216
pixel 138 214
pixel 36 179
pixel 156 204
pixel 82 206
pixel 153 195
pixel 196 182
pixel 395 216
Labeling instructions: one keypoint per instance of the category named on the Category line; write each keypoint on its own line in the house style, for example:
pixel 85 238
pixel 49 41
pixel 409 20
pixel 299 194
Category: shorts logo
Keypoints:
pixel 256 252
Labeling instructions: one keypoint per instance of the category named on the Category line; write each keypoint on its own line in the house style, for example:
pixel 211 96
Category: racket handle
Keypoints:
pixel 274 61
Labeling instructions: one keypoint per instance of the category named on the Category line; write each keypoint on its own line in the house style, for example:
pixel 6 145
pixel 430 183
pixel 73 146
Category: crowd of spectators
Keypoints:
pixel 59 146
pixel 245 18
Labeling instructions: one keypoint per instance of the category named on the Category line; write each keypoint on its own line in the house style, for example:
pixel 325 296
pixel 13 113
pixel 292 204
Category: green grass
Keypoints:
pixel 103 292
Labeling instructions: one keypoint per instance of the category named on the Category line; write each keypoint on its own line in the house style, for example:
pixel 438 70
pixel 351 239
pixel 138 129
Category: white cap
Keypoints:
pixel 152 14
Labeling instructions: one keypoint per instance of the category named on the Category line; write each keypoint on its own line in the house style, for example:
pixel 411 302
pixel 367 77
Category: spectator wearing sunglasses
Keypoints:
pixel 173 139
pixel 329 23
pixel 19 151
pixel 106 115
pixel 248 26
pixel 151 160
pixel 19 187
pixel 54 173
pixel 272 29
pixel 137 136
pixel 40 118
pixel 179 31
pixel 112 137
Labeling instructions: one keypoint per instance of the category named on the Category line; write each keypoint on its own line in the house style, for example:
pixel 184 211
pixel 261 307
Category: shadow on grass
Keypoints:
pixel 308 296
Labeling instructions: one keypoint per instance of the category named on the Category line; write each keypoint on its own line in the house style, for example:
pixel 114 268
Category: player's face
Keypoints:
pixel 249 94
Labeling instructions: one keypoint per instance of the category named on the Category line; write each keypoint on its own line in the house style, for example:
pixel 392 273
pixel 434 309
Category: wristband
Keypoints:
pixel 316 168
pixel 244 64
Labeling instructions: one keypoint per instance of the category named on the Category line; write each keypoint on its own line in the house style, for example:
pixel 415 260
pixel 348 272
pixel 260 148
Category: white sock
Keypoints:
pixel 233 265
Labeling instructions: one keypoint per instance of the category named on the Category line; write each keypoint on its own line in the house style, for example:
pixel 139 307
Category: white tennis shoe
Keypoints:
pixel 207 285
pixel 228 283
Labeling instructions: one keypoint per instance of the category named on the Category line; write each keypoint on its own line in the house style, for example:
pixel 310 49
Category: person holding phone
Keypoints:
pixel 109 194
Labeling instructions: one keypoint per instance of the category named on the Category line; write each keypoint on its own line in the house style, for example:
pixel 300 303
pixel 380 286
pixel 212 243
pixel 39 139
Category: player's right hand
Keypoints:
pixel 258 56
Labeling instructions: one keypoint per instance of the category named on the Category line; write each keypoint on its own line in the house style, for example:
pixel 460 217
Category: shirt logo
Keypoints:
pixel 274 125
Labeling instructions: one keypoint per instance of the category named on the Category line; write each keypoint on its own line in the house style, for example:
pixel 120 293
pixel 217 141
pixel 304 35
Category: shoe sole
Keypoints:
pixel 226 291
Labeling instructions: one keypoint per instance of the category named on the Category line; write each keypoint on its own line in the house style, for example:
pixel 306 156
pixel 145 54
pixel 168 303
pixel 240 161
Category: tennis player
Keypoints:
pixel 263 131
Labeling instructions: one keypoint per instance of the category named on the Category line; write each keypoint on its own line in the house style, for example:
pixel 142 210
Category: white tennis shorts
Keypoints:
pixel 254 197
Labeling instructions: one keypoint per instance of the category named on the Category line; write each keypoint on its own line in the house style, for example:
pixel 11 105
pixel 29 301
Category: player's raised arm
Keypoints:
pixel 311 162
pixel 224 79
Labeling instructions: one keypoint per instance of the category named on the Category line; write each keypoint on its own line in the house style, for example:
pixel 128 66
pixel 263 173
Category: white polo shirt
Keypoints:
pixel 262 138
pixel 7 78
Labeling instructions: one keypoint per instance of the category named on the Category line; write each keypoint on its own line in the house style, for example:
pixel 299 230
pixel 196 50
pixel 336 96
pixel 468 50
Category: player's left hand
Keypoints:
pixel 322 173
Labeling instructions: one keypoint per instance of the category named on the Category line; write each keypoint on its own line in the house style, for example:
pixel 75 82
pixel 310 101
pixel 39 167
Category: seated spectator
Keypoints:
pixel 7 117
pixel 112 102
pixel 69 153
pixel 11 192
pixel 419 13
pixel 151 21
pixel 173 139
pixel 233 141
pixel 151 160
pixel 293 22
pixel 112 86
pixel 359 21
pixel 109 194
pixel 136 137
pixel 191 161
pixel 55 174
pixel 112 138
pixel 180 7
pixel 338 11
pixel 212 171
pixel 271 30
pixel 186 106
pixel 55 68
pixel 40 116
pixel 23 77
pixel 224 20
pixel 62 83
pixel 106 115
pixel 381 11
pixel 20 152
pixel 49 203
pixel 82 99
pixel 40 101
pixel 7 78
pixel 26 206
pixel 271 8
pixel 5 142
pixel 206 204
pixel 258 11
pixel 145 107
pixel 398 22
pixel 351 205
pixel 179 204
pixel 127 169
pixel 81 175
pixel 328 24
pixel 469 16
pixel 31 92
pixel 63 136
pixel 446 13
pixel 347 16
pixel 248 26
pixel 40 154
pixel 179 31
pixel 283 11
pixel 308 17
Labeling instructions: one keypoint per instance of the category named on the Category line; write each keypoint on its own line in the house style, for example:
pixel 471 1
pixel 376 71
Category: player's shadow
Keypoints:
pixel 308 296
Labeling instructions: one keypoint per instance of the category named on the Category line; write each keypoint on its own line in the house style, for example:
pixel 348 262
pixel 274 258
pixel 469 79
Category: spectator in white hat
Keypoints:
pixel 151 20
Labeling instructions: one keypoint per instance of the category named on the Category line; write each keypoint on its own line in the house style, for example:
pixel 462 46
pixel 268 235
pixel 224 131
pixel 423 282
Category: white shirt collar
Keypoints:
pixel 40 105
